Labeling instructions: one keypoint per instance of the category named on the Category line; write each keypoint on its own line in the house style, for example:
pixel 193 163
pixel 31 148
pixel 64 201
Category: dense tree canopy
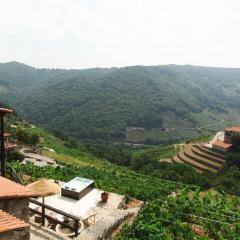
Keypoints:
pixel 101 103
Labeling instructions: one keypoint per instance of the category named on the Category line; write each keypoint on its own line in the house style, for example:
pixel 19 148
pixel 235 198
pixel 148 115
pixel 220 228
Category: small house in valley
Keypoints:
pixel 231 135
pixel 231 138
pixel 221 146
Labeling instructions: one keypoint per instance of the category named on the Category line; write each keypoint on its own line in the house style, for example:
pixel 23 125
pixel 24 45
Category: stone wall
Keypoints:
pixel 229 136
pixel 23 234
pixel 16 207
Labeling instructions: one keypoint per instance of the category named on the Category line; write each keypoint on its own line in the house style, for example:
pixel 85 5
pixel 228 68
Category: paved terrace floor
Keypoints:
pixel 108 216
pixel 77 208
pixel 37 232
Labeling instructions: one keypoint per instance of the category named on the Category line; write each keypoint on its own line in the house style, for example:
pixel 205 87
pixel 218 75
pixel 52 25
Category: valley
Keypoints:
pixel 172 103
pixel 120 120
pixel 178 201
pixel 133 142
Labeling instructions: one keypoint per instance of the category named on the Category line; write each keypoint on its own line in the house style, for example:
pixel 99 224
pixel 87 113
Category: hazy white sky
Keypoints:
pixel 104 33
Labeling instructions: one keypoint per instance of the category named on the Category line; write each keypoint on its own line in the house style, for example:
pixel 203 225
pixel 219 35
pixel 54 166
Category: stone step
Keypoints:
pixel 205 155
pixel 176 159
pixel 209 151
pixel 195 164
pixel 206 162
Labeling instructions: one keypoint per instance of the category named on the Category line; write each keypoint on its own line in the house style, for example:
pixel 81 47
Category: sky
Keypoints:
pixel 115 33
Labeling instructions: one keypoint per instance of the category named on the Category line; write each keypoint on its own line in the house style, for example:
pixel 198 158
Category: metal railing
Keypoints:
pixel 44 216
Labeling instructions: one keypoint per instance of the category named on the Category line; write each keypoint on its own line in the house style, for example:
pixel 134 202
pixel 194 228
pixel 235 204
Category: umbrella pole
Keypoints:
pixel 43 212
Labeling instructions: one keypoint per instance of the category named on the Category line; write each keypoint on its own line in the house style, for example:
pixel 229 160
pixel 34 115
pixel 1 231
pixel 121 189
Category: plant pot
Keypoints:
pixel 104 197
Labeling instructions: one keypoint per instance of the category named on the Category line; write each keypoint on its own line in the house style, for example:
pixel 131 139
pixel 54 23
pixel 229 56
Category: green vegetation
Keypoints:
pixel 145 161
pixel 162 217
pixel 176 217
pixel 171 103
pixel 13 155
pixel 26 137
pixel 203 138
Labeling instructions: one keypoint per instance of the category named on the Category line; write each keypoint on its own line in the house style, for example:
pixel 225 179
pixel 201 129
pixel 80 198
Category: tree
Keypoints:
pixel 34 139
pixel 14 155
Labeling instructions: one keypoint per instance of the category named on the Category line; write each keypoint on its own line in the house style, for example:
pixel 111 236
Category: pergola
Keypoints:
pixel 3 112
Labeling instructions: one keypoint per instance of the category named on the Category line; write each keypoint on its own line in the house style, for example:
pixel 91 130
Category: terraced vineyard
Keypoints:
pixel 172 210
pixel 200 157
pixel 187 216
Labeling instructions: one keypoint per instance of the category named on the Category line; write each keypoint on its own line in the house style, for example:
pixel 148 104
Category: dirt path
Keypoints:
pixel 210 125
pixel 37 159
pixel 197 128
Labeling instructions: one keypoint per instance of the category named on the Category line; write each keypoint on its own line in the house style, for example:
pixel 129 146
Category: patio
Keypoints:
pixel 97 219
pixel 78 208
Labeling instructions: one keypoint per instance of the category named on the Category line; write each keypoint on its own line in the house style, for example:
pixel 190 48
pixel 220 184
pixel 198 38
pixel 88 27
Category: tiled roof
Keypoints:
pixel 5 110
pixel 221 144
pixel 232 129
pixel 8 222
pixel 11 190
pixel 7 134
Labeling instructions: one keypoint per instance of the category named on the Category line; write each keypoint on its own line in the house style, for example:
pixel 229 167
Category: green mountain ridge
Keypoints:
pixel 171 102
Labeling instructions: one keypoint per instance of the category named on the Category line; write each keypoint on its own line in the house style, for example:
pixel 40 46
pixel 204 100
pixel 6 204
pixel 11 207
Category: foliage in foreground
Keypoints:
pixel 163 216
pixel 112 179
pixel 174 218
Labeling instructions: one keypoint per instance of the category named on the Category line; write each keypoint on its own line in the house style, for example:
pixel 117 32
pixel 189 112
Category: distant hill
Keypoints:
pixel 170 102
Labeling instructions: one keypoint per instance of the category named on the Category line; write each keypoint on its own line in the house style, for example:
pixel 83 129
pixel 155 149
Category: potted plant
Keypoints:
pixel 104 197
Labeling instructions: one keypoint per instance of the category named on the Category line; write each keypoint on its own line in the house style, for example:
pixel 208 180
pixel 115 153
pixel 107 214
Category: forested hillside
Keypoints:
pixel 178 203
pixel 170 102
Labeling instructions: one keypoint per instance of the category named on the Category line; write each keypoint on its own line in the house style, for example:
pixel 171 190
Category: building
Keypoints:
pixel 231 138
pixel 14 208
pixel 13 228
pixel 221 146
pixel 230 134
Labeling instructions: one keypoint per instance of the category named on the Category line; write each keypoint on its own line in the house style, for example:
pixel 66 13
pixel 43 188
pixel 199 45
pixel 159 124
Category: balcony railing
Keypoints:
pixel 76 220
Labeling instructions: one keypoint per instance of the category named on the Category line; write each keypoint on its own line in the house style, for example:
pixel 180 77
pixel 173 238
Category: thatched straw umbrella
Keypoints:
pixel 45 188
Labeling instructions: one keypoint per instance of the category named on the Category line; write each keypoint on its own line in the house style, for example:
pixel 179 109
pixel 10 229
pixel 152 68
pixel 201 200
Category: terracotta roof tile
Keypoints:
pixel 221 144
pixel 11 190
pixel 232 129
pixel 5 110
pixel 7 134
pixel 9 222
